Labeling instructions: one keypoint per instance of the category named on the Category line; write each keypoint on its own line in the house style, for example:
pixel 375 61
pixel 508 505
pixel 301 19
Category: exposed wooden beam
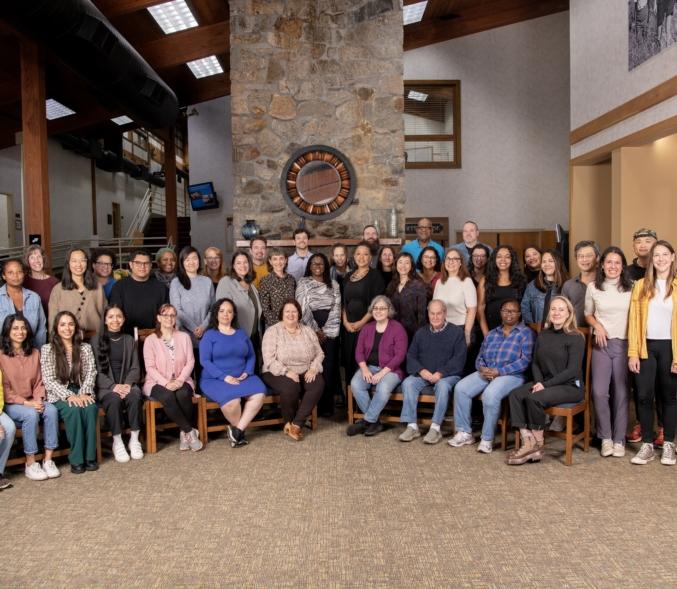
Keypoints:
pixel 476 20
pixel 111 8
pixel 206 89
pixel 189 45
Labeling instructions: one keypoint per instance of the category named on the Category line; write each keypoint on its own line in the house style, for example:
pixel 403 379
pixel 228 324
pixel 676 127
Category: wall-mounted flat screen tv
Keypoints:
pixel 203 196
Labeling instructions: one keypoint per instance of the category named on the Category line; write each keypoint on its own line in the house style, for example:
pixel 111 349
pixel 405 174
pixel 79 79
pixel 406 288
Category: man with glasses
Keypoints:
pixel 259 252
pixel 470 234
pixel 574 289
pixel 424 232
pixel 103 264
pixel 139 295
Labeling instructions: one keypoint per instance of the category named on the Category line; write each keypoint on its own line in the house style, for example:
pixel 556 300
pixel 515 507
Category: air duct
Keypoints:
pixel 81 37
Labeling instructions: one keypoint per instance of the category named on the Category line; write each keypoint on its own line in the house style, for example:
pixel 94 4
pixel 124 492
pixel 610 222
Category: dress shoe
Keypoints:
pixel 77 468
pixel 293 431
pixel 91 465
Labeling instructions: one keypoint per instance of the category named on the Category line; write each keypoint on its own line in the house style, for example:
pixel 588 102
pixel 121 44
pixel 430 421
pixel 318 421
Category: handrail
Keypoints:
pixel 154 203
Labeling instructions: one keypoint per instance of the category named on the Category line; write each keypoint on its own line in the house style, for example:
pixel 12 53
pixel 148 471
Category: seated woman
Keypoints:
pixel 69 376
pixel 228 360
pixel 408 296
pixel 292 361
pixel 7 432
pixel 381 350
pixel 169 361
pixel 25 396
pixel 276 287
pixel 117 376
pixel 548 283
pixel 504 357
pixel 558 378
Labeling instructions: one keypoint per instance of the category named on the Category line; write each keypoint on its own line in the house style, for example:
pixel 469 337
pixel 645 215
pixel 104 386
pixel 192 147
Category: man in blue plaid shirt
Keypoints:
pixel 504 357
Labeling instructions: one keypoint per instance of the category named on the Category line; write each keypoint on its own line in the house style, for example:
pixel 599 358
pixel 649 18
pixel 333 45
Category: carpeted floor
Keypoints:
pixel 333 511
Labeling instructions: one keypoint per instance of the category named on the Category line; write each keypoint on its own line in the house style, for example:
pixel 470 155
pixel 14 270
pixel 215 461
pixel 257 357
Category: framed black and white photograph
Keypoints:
pixel 652 28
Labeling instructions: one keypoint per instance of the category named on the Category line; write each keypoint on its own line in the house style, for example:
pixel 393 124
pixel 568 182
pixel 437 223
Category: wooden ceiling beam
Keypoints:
pixel 112 8
pixel 479 19
pixel 206 89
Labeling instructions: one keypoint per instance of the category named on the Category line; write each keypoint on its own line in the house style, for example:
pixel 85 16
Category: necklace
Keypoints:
pixel 354 277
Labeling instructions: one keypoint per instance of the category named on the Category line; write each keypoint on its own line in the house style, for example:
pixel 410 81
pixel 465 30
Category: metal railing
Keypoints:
pixel 154 203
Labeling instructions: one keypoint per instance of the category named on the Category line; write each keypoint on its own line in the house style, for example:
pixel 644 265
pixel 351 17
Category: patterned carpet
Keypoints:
pixel 333 511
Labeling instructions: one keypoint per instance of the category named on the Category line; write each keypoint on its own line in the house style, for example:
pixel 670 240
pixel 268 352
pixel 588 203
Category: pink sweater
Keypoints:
pixel 158 361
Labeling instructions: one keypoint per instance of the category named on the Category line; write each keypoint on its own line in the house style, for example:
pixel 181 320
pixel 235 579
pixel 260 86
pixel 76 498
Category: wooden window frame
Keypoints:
pixel 456 137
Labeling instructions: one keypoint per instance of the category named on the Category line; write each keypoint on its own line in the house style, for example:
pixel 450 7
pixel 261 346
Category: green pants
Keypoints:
pixel 80 430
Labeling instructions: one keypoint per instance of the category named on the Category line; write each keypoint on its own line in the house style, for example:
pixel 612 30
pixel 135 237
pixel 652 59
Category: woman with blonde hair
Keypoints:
pixel 215 267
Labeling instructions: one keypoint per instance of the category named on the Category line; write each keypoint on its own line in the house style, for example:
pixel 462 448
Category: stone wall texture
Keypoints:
pixel 307 72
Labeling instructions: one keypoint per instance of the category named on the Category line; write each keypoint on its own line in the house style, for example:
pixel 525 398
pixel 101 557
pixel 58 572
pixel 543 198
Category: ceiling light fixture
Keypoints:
pixel 123 120
pixel 56 110
pixel 209 66
pixel 417 96
pixel 173 16
pixel 414 12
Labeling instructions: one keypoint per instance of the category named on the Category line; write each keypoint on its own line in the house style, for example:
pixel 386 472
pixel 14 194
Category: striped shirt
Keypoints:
pixel 511 354
pixel 313 296
pixel 57 390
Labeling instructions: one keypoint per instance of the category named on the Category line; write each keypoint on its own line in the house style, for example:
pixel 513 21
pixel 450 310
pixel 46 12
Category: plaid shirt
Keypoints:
pixel 510 354
pixel 56 390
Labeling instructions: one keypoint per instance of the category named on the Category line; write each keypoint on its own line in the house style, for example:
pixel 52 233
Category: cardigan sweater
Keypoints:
pixel 282 352
pixel 392 349
pixel 639 316
pixel 192 306
pixel 129 373
pixel 21 378
pixel 87 307
pixel 246 313
pixel 158 361
pixel 442 351
pixel 558 358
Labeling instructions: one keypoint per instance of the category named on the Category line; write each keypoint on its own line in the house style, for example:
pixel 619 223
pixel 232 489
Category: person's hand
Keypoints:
pixel 74 400
pixel 122 390
pixel 673 367
pixel 38 405
pixel 231 380
pixel 243 376
pixel 435 377
pixel 2 431
pixel 199 331
pixel 310 375
pixel 537 387
pixel 467 339
pixel 366 374
pixel 601 336
pixel 425 374
pixel 376 378
pixel 321 336
pixel 172 385
pixel 293 375
pixel 633 364
pixel 86 400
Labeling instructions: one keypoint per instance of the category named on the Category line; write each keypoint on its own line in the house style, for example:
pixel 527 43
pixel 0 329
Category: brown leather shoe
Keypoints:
pixel 522 455
pixel 295 432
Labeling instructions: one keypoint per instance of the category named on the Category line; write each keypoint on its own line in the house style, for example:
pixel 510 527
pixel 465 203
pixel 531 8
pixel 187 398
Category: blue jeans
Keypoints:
pixel 372 406
pixel 8 440
pixel 492 394
pixel 411 389
pixel 28 419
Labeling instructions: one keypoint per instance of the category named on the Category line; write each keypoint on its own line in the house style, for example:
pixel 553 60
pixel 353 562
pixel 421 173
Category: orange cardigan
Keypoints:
pixel 158 361
pixel 639 316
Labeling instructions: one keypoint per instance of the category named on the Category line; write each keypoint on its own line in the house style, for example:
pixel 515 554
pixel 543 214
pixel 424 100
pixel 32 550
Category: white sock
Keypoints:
pixel 117 439
pixel 435 426
pixel 134 437
pixel 413 426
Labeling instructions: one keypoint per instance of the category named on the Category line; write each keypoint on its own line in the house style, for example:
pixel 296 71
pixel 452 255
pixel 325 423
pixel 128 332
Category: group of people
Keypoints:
pixel 453 322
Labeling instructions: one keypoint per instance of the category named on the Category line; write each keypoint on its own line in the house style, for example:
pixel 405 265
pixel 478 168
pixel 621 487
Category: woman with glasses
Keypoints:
pixel 165 258
pixel 276 287
pixel 78 292
pixel 532 261
pixel 215 267
pixel 456 289
pixel 478 263
pixel 428 266
pixel 36 280
pixel 548 283
pixel 103 263
pixel 407 295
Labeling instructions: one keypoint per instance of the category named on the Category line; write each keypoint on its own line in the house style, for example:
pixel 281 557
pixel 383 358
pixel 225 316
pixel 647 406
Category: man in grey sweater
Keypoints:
pixel 436 358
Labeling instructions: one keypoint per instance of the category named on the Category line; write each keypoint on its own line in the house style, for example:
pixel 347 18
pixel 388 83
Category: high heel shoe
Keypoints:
pixel 293 431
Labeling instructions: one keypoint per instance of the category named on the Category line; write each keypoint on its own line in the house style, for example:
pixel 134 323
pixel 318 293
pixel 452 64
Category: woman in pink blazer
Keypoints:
pixel 168 356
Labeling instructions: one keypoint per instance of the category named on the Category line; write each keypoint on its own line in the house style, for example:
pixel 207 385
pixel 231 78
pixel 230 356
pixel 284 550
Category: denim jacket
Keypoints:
pixel 32 311
pixel 533 302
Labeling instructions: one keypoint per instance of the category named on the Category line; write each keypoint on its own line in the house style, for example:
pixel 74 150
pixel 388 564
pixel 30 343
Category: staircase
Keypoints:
pixel 157 227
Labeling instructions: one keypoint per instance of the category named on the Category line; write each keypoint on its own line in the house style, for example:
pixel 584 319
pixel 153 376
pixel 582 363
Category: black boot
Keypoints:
pixel 234 435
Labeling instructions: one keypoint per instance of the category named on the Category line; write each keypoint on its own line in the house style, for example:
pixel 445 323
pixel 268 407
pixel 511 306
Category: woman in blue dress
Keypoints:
pixel 228 359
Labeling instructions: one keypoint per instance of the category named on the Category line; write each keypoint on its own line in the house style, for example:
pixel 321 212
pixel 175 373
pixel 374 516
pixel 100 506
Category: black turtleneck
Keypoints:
pixel 558 358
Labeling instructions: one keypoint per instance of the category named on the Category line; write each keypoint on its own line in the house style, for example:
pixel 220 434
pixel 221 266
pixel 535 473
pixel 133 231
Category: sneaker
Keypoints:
pixel 645 454
pixel 359 427
pixel 409 434
pixel 668 456
pixel 433 436
pixel 119 452
pixel 607 448
pixel 4 483
pixel 193 439
pixel 184 445
pixel 486 446
pixel 374 428
pixel 619 451
pixel 462 438
pixel 35 472
pixel 636 436
pixel 659 438
pixel 50 468
pixel 135 449
pixel 558 423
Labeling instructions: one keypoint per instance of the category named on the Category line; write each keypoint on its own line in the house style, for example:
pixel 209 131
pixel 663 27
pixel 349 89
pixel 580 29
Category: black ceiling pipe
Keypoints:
pixel 81 37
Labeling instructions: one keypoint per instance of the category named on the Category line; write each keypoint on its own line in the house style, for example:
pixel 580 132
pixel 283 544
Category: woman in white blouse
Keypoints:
pixel 607 303
pixel 457 290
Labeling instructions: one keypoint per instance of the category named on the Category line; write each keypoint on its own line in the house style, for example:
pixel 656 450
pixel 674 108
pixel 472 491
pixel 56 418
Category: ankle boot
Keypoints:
pixel 522 455
pixel 538 453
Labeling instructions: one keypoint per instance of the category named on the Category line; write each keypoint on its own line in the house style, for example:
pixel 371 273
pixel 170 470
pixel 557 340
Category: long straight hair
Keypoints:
pixel 104 340
pixel 462 269
pixel 569 326
pixel 625 280
pixel 67 282
pixel 181 273
pixel 411 275
pixel 561 275
pixel 66 374
pixel 649 285
pixel 6 342
pixel 250 276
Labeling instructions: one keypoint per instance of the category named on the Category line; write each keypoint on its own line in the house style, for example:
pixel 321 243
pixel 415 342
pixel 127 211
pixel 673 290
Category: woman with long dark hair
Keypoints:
pixel 548 283
pixel 78 292
pixel 607 304
pixel 117 368
pixel 478 262
pixel 69 376
pixel 503 280
pixel 385 263
pixel 428 266
pixel 531 257
pixel 407 295
pixel 652 349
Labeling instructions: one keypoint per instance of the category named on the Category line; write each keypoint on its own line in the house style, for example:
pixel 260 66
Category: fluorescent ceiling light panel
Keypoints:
pixel 56 110
pixel 417 96
pixel 173 16
pixel 209 66
pixel 414 12
pixel 123 120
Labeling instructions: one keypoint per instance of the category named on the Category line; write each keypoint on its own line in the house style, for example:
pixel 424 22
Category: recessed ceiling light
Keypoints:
pixel 209 66
pixel 173 16
pixel 414 12
pixel 417 96
pixel 56 110
pixel 123 120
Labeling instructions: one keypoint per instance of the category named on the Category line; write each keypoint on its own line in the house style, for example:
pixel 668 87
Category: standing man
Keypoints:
pixel 259 251
pixel 296 265
pixel 470 234
pixel 642 242
pixel 587 258
pixel 424 231
pixel 139 295
pixel 436 357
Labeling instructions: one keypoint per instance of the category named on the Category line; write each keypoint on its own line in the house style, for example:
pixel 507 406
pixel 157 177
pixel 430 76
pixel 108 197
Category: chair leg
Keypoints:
pixel 570 438
pixel 202 419
pixel 586 421
pixel 351 413
pixel 504 424
pixel 99 454
pixel 150 429
pixel 313 418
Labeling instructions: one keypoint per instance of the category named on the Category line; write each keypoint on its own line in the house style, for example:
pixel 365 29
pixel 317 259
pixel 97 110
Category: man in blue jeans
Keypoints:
pixel 505 355
pixel 435 358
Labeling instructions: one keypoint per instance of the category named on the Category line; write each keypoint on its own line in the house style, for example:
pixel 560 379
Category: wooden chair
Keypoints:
pixel 570 410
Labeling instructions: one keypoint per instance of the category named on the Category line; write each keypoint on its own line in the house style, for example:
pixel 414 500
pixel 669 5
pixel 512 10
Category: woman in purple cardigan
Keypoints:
pixel 381 350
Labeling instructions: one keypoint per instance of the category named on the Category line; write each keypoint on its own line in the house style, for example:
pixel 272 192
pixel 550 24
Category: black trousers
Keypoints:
pixel 659 405
pixel 178 404
pixel 656 380
pixel 291 392
pixel 114 405
pixel 197 371
pixel 527 409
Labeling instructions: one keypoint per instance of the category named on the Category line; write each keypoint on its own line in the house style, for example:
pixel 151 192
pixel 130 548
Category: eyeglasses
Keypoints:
pixel 424 227
pixel 213 259
pixel 452 260
pixel 479 256
pixel 143 264
pixel 509 311
pixel 104 264
pixel 318 264
pixel 381 309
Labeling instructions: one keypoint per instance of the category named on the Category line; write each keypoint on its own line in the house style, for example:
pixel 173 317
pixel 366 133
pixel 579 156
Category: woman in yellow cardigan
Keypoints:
pixel 652 349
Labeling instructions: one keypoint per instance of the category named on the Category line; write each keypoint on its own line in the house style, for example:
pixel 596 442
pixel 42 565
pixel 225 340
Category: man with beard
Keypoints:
pixel 370 235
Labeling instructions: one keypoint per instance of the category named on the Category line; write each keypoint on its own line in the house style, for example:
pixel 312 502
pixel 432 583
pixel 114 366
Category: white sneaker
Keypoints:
pixel 135 449
pixel 35 472
pixel 559 422
pixel 119 452
pixel 50 468
pixel 486 446
pixel 461 438
pixel 607 448
pixel 619 450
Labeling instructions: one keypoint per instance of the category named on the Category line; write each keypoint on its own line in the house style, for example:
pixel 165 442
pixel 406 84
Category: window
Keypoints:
pixel 432 124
